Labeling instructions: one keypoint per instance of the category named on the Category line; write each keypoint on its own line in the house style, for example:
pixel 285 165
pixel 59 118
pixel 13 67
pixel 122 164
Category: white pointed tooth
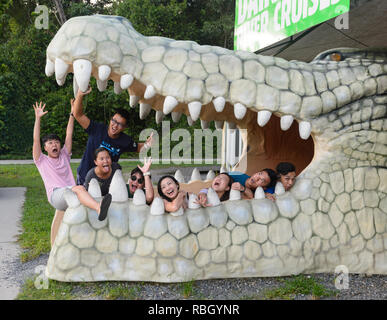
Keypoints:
pixel 94 188
pixel 219 124
pixel 189 121
pixel 223 169
pixel 219 103
pixel 82 72
pixel 145 109
pixel 195 175
pixel 210 175
pixel 212 198
pixel 50 68
pixel 104 72
pixel 149 92
pixel 139 197
pixel 126 81
pixel 176 116
pixel 101 85
pixel 75 87
pixel 239 110
pixel 204 124
pixel 169 104
pixel 157 207
pixel 118 187
pixel 191 202
pixel 179 176
pixel 279 189
pixel 194 110
pixel 159 116
pixel 304 129
pixel 61 69
pixel 177 213
pixel 259 193
pixel 235 195
pixel 117 88
pixel 71 198
pixel 133 100
pixel 286 122
pixel 263 117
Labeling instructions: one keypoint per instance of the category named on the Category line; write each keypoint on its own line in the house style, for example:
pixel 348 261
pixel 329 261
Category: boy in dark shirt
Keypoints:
pixel 110 137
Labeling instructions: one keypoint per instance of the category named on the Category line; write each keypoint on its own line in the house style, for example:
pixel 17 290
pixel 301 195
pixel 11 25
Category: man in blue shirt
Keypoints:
pixel 110 137
pixel 246 184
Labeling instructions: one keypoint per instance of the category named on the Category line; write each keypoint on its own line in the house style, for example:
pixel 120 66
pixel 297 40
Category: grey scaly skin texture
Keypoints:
pixel 336 214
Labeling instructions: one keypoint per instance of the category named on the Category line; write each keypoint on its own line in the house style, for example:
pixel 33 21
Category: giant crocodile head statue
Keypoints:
pixel 328 117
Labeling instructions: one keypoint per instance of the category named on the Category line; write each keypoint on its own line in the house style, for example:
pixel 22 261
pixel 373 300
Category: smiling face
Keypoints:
pixel 288 180
pixel 259 179
pixel 52 147
pixel 103 162
pixel 116 126
pixel 169 188
pixel 136 181
pixel 220 183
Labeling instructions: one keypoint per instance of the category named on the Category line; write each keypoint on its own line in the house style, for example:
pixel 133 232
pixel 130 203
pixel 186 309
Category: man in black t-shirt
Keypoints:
pixel 110 137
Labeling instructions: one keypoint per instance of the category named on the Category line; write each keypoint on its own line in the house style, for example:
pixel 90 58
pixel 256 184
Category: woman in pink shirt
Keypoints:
pixel 56 173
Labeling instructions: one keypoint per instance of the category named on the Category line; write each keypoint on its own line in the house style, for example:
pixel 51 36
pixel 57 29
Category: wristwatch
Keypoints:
pixel 147 173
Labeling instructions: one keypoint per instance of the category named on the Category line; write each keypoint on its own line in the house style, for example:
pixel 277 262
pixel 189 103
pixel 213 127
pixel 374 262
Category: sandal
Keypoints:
pixel 105 203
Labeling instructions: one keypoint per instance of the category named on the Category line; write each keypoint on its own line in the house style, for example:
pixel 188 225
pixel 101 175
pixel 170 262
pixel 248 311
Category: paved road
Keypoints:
pixel 11 204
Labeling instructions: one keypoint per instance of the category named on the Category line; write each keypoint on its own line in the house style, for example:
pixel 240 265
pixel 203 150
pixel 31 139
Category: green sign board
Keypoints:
pixel 260 23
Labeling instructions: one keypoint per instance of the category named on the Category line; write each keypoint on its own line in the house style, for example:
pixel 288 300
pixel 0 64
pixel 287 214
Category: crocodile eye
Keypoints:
pixel 336 56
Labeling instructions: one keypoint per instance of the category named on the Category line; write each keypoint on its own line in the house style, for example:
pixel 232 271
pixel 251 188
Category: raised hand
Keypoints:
pixel 39 110
pixel 146 166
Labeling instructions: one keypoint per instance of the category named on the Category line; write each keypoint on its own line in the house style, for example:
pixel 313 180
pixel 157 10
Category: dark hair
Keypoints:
pixel 285 167
pixel 100 149
pixel 226 194
pixel 273 177
pixel 123 113
pixel 159 187
pixel 51 136
pixel 137 170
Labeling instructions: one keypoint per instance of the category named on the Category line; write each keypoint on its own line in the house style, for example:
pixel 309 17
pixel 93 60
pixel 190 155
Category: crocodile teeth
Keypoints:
pixel 117 88
pixel 118 187
pixel 94 188
pixel 133 100
pixel 212 198
pixel 179 176
pixel 157 207
pixel 235 195
pixel 149 92
pixel 219 103
pixel 82 71
pixel 139 198
pixel 279 189
pixel 286 122
pixel 169 104
pixel 263 117
pixel 219 124
pixel 189 121
pixel 239 111
pixel 61 68
pixel 191 201
pixel 195 175
pixel 194 110
pixel 159 116
pixel 304 129
pixel 145 109
pixel 176 116
pixel 222 169
pixel 204 124
pixel 101 85
pixel 210 175
pixel 126 81
pixel 104 72
pixel 259 193
pixel 50 68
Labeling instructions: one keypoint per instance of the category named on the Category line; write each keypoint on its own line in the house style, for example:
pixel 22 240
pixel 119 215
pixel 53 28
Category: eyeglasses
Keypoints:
pixel 134 178
pixel 119 124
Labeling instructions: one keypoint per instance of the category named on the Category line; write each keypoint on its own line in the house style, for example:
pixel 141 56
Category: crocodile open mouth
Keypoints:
pixel 328 117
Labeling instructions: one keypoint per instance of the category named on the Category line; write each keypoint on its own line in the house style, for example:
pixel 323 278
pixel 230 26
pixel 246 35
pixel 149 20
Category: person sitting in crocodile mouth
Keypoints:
pixel 221 185
pixel 169 190
pixel 246 184
pixel 286 173
pixel 140 179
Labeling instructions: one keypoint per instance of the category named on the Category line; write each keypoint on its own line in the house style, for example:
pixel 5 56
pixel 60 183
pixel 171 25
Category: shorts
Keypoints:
pixel 57 198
